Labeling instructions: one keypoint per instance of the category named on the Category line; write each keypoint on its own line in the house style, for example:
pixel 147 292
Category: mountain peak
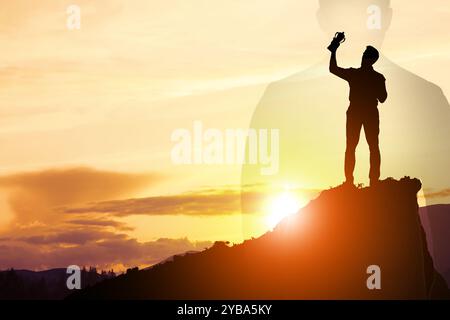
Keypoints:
pixel 328 250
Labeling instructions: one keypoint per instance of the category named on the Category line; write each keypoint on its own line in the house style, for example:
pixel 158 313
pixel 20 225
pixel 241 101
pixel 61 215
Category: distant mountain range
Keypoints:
pixel 436 221
pixel 43 285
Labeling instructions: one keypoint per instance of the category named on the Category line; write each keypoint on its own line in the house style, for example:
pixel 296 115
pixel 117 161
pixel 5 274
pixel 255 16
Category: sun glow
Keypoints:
pixel 282 206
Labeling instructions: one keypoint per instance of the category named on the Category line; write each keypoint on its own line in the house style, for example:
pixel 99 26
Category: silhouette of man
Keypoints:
pixel 367 88
pixel 414 127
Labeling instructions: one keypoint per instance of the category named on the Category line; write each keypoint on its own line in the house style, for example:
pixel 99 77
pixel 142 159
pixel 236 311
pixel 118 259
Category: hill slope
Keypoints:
pixel 322 252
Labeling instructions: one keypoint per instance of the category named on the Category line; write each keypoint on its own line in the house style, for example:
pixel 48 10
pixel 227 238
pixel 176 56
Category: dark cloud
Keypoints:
pixel 103 254
pixel 101 223
pixel 79 237
pixel 202 203
pixel 198 204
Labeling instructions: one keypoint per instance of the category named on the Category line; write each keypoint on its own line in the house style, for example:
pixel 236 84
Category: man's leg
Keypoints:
pixel 372 130
pixel 353 130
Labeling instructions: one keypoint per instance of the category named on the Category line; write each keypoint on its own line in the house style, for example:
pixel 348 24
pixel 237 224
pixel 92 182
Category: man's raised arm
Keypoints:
pixel 335 69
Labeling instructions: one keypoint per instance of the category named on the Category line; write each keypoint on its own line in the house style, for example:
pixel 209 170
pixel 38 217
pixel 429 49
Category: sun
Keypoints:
pixel 282 206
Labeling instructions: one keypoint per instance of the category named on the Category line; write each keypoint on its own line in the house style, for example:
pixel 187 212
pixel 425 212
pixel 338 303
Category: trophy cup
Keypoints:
pixel 339 38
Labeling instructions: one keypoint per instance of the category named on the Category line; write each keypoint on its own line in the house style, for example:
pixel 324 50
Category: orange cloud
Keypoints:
pixel 34 195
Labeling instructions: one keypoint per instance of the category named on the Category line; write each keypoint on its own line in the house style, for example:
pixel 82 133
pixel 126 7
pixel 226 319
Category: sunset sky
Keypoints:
pixel 86 118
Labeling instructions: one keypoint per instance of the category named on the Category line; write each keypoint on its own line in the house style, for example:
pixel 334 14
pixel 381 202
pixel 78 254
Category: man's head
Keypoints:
pixel 370 56
pixel 364 21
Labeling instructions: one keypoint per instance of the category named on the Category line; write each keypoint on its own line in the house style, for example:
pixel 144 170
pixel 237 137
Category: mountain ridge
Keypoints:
pixel 322 252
